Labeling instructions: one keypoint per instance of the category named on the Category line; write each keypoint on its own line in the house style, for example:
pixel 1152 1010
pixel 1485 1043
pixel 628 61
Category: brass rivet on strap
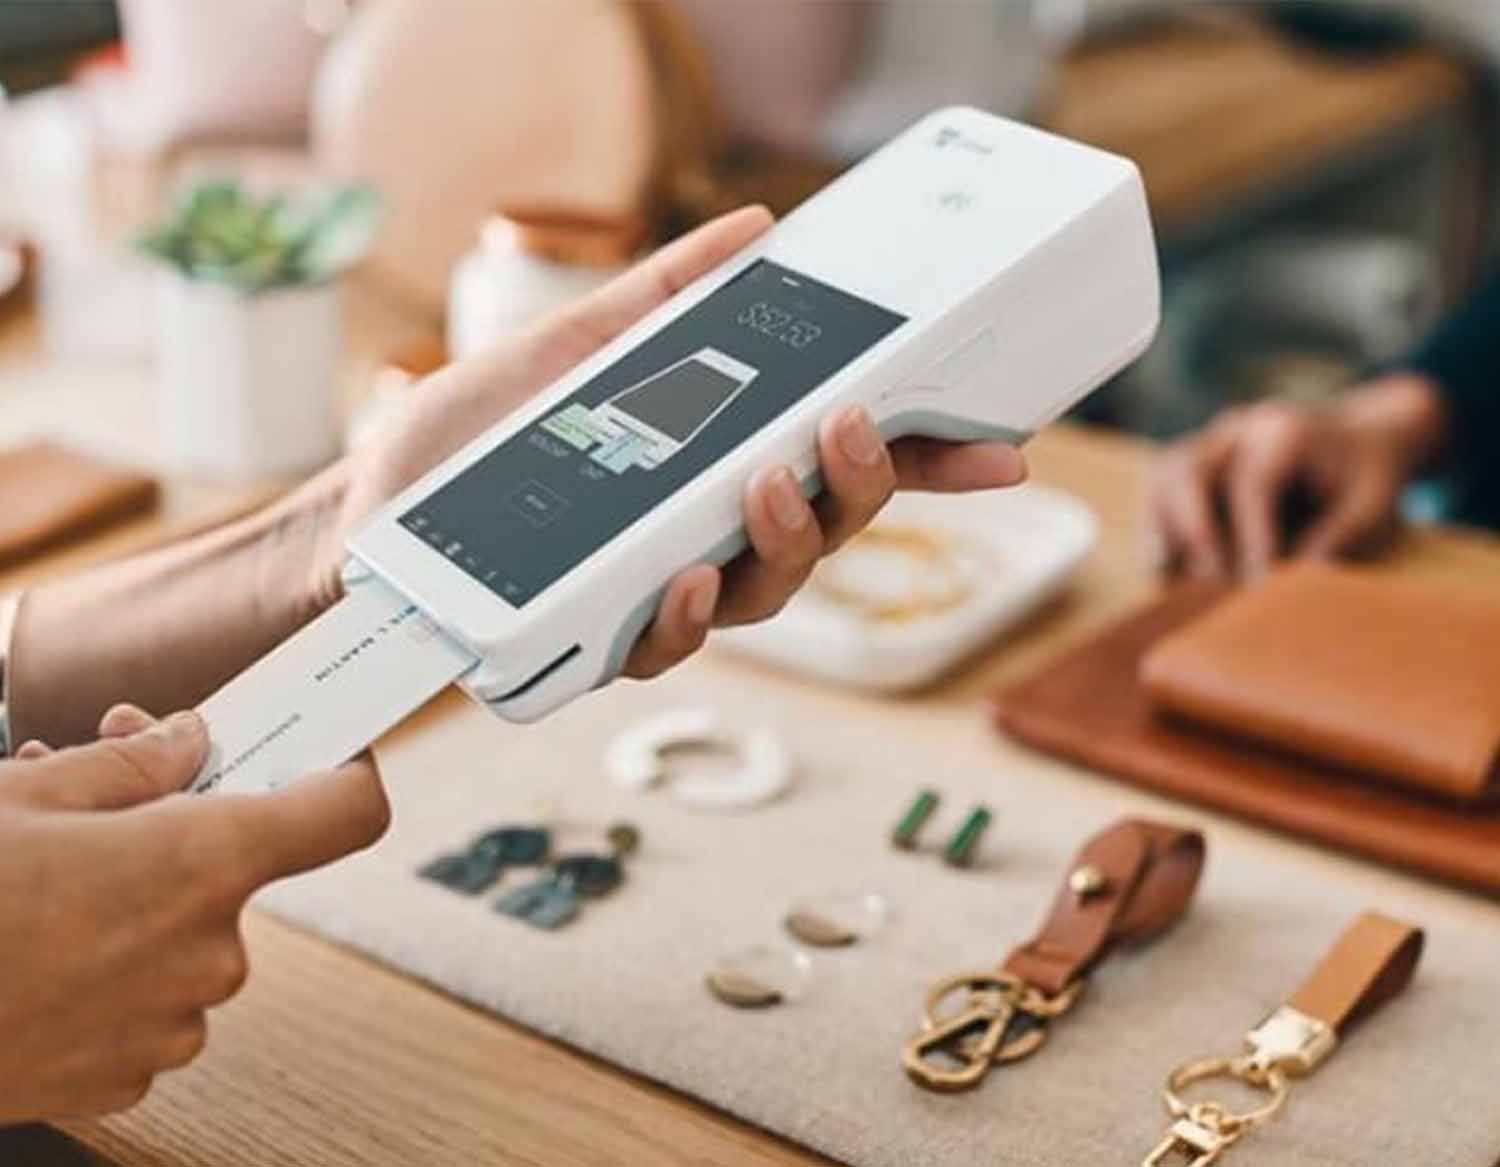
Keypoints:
pixel 1087 881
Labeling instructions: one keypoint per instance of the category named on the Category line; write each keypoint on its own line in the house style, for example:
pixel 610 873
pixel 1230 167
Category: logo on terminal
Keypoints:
pixel 949 137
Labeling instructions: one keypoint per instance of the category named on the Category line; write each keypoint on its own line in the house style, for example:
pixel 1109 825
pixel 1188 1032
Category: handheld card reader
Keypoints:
pixel 971 280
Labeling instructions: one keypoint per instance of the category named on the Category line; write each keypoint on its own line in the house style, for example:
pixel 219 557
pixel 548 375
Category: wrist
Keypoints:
pixel 299 551
pixel 1407 411
pixel 169 627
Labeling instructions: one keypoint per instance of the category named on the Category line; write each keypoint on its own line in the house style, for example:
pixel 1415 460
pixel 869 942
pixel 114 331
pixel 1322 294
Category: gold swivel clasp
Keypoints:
pixel 998 1018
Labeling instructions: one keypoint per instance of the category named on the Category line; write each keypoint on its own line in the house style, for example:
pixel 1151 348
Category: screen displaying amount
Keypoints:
pixel 551 494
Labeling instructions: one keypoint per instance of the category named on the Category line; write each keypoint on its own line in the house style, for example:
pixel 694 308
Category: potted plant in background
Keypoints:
pixel 251 338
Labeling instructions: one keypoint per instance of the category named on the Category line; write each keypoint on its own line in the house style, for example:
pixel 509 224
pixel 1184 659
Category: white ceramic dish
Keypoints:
pixel 1019 548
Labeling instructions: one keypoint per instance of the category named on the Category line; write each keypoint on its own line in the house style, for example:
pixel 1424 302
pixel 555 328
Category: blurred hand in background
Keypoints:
pixel 1278 479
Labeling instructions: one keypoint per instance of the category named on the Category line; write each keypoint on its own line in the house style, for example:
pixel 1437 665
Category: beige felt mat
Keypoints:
pixel 1417 1085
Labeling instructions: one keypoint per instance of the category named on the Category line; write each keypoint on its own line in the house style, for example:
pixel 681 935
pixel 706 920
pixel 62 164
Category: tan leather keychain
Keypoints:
pixel 1371 962
pixel 1128 883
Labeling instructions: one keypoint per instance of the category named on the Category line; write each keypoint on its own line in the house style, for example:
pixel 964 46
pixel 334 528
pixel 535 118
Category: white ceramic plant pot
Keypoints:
pixel 495 294
pixel 248 382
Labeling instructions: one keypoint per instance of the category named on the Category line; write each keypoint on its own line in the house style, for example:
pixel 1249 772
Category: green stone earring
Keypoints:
pixel 905 834
pixel 959 850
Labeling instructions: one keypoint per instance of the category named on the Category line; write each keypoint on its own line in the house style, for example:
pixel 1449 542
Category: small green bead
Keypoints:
pixel 905 834
pixel 960 848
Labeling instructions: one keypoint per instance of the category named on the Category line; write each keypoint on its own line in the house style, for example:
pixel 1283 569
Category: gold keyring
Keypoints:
pixel 988 981
pixel 1038 1004
pixel 998 985
pixel 1025 997
pixel 1241 1070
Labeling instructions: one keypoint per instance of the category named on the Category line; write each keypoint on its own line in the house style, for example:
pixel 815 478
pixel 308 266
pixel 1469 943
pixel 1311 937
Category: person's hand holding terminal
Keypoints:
pixel 120 896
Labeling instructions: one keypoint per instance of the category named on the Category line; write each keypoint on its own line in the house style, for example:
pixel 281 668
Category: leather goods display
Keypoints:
pixel 1370 963
pixel 625 983
pixel 1088 705
pixel 1128 884
pixel 53 493
pixel 1396 680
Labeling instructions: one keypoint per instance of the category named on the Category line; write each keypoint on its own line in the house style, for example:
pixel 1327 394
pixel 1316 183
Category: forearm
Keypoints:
pixel 1462 359
pixel 165 629
pixel 1462 355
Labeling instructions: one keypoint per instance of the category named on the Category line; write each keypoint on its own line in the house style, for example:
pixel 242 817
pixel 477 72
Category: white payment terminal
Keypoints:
pixel 971 280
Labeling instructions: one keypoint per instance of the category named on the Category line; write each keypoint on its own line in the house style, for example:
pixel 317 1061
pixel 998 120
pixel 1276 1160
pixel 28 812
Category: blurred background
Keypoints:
pixel 365 188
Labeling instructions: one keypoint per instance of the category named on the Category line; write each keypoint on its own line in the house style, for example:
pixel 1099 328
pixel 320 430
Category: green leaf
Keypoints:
pixel 339 234
pixel 218 232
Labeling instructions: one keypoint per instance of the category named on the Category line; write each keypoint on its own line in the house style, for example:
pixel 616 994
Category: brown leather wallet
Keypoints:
pixel 53 493
pixel 1089 705
pixel 1398 680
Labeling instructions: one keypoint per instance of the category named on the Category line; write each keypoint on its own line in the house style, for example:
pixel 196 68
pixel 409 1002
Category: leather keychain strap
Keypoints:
pixel 1370 963
pixel 1128 883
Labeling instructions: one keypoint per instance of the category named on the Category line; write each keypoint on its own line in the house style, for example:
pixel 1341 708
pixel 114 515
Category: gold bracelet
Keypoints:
pixel 939 556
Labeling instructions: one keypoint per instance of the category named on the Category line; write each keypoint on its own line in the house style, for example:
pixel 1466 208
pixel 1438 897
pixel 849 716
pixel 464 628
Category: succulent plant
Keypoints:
pixel 220 232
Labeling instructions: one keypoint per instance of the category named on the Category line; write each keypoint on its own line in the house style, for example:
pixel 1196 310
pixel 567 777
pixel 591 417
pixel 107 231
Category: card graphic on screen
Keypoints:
pixel 552 493
pixel 647 423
